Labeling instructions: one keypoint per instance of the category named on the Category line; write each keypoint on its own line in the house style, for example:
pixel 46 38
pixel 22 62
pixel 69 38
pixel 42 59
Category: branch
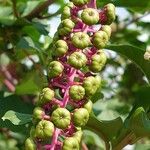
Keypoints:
pixel 36 12
pixel 15 9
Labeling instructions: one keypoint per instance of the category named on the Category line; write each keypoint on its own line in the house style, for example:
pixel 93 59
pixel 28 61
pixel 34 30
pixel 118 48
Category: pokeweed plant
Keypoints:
pixel 78 57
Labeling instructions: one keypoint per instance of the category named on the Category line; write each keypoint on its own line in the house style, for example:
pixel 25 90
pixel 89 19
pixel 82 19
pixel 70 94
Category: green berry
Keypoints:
pixel 61 118
pixel 80 2
pixel 90 16
pixel 70 143
pixel 107 29
pixel 32 132
pixel 66 27
pixel 77 60
pixel 80 117
pixel 98 61
pixel 60 48
pixel 90 85
pixel 44 129
pixel 81 40
pixel 29 144
pixel 76 92
pixel 100 39
pixel 78 135
pixel 38 113
pixel 55 69
pixel 45 96
pixel 88 105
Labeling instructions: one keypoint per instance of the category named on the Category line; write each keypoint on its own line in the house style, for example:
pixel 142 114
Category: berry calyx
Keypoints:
pixel 38 113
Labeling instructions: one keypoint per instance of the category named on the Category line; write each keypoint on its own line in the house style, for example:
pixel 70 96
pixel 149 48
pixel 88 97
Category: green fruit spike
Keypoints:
pixel 80 117
pixel 81 40
pixel 77 60
pixel 100 39
pixel 70 143
pixel 55 68
pixel 76 92
pixel 139 123
pixel 44 129
pixel 29 144
pixel 45 96
pixel 90 16
pixel 61 118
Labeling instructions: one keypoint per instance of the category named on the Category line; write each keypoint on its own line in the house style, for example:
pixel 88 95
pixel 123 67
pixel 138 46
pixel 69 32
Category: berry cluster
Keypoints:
pixel 73 74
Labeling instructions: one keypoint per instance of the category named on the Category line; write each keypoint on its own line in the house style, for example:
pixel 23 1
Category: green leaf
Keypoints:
pixel 135 54
pixel 107 130
pixel 17 118
pixel 97 96
pixel 14 103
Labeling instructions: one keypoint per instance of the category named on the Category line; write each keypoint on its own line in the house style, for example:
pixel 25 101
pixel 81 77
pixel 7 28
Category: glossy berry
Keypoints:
pixel 44 129
pixel 81 40
pixel 80 117
pixel 76 92
pixel 45 96
pixel 29 144
pixel 55 69
pixel 90 85
pixel 60 48
pixel 107 29
pixel 80 2
pixel 90 16
pixel 88 106
pixel 66 27
pixel 61 118
pixel 77 60
pixel 70 143
pixel 100 39
pixel 38 113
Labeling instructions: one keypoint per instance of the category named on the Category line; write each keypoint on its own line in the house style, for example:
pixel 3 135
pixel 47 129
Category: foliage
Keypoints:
pixel 122 107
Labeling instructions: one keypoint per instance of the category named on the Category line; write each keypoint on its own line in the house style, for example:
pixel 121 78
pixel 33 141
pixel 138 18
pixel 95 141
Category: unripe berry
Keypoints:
pixel 80 2
pixel 77 60
pixel 98 80
pixel 90 85
pixel 107 29
pixel 100 39
pixel 55 69
pixel 80 117
pixel 45 96
pixel 81 40
pixel 60 48
pixel 66 27
pixel 88 106
pixel 44 129
pixel 90 16
pixel 61 118
pixel 109 11
pixel 98 61
pixel 70 143
pixel 38 113
pixel 78 135
pixel 29 144
pixel 66 13
pixel 32 132
pixel 76 92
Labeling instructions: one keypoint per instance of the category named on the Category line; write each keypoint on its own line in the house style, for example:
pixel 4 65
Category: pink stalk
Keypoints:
pixel 9 85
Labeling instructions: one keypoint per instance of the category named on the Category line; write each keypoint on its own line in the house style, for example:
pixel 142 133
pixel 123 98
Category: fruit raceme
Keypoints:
pixel 74 73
